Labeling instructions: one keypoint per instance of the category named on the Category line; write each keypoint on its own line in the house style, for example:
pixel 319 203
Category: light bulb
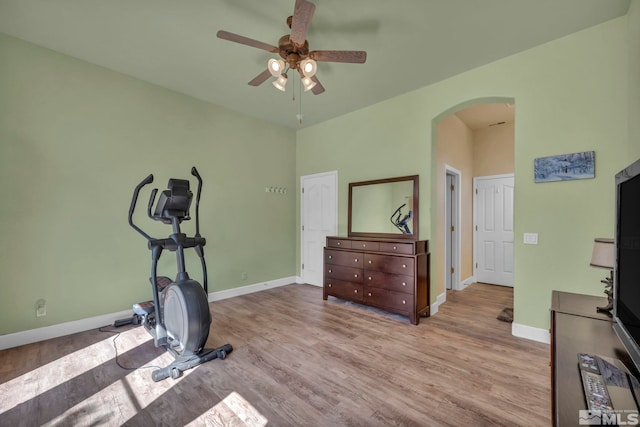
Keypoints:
pixel 275 67
pixel 308 67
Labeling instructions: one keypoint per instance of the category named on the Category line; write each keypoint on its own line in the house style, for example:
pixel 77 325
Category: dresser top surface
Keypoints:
pixel 375 239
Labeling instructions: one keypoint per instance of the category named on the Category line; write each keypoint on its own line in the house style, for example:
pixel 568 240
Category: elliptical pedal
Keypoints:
pixel 143 308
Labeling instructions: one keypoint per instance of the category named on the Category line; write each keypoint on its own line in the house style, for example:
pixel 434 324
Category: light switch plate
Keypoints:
pixel 530 238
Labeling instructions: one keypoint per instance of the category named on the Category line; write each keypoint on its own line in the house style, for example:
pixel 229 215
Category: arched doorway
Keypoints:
pixel 471 139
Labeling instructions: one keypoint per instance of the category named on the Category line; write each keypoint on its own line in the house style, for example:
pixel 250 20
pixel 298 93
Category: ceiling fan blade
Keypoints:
pixel 260 78
pixel 350 56
pixel 318 88
pixel 302 14
pixel 225 35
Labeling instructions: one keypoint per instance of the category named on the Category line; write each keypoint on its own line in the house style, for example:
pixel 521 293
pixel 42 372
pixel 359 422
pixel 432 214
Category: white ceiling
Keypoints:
pixel 410 43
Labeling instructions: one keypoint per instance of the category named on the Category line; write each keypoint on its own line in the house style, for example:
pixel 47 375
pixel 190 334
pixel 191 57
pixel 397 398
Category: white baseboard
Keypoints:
pixel 468 281
pixel 61 329
pixel 440 299
pixel 299 281
pixel 463 284
pixel 66 328
pixel 530 333
pixel 249 289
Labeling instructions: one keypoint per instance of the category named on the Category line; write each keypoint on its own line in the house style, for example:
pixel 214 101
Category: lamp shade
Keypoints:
pixel 308 83
pixel 276 66
pixel 308 67
pixel 603 253
pixel 281 82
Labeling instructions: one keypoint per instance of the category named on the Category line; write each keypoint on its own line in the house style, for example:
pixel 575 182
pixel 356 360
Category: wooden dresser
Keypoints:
pixel 389 274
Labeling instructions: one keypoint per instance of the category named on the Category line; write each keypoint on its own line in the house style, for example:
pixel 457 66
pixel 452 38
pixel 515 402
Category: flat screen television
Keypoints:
pixel 626 273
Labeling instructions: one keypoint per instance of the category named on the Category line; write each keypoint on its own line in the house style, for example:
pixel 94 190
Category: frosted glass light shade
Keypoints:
pixel 308 67
pixel 308 83
pixel 276 66
pixel 281 82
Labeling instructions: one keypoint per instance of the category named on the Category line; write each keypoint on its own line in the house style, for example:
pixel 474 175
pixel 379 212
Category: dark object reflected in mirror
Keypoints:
pixel 384 208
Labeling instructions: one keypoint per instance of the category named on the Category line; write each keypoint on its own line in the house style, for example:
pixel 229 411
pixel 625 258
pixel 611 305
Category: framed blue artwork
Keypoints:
pixel 565 167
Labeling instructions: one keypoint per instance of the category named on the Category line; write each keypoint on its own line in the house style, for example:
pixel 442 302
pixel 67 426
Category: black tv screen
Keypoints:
pixel 627 264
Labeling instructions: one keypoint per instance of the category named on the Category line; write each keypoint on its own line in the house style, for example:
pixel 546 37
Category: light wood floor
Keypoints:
pixel 297 361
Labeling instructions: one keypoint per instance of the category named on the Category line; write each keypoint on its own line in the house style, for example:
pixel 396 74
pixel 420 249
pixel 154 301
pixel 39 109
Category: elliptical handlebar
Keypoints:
pixel 195 173
pixel 134 201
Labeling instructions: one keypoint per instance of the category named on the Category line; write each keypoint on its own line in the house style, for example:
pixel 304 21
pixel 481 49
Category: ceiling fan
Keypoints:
pixel 294 50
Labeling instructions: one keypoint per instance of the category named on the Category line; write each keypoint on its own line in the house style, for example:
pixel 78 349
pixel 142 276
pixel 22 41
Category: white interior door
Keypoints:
pixel 319 217
pixel 493 208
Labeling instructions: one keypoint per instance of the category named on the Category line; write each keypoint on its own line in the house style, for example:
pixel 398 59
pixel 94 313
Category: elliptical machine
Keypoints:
pixel 178 317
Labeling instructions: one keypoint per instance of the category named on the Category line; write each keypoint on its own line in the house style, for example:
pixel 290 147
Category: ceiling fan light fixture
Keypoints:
pixel 276 67
pixel 308 83
pixel 308 67
pixel 281 82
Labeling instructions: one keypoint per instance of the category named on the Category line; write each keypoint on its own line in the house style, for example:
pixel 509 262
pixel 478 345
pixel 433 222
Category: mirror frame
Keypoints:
pixel 416 192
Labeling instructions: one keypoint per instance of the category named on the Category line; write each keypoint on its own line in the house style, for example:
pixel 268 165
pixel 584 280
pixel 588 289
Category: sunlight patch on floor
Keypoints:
pixel 233 410
pixel 53 374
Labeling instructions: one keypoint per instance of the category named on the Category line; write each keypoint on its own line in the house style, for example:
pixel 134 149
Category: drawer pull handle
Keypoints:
pixel 355 260
pixel 395 247
pixel 329 284
pixel 330 271
pixel 355 275
pixel 369 293
pixel 364 245
pixel 370 262
pixel 330 257
pixel 370 278
pixel 356 291
pixel 404 301
pixel 404 265
pixel 404 283
pixel 339 243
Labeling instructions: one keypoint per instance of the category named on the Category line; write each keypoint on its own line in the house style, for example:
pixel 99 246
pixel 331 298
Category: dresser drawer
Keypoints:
pixel 352 274
pixel 346 258
pixel 389 299
pixel 338 243
pixel 389 264
pixel 343 289
pixel 393 282
pixel 398 248
pixel 365 245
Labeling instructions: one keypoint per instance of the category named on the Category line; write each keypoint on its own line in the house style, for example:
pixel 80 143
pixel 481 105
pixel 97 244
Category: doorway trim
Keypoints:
pixel 452 247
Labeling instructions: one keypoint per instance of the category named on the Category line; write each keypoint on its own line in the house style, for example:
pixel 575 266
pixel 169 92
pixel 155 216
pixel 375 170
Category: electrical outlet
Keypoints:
pixel 41 308
pixel 244 275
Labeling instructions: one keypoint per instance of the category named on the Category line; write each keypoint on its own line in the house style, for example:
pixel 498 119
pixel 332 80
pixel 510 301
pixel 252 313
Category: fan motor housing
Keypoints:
pixel 291 52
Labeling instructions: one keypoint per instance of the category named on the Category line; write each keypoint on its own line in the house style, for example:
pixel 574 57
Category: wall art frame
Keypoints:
pixel 565 167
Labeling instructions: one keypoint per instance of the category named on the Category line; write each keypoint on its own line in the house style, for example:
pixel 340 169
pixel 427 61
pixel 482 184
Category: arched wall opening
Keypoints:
pixel 455 133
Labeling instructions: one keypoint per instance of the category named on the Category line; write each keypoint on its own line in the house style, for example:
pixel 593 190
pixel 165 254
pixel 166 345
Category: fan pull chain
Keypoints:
pixel 300 104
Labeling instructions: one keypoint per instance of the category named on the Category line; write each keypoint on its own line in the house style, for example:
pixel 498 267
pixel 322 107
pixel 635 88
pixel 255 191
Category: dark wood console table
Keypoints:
pixel 576 327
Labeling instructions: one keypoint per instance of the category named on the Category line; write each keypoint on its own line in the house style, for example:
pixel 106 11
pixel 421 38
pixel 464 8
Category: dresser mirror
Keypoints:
pixel 384 208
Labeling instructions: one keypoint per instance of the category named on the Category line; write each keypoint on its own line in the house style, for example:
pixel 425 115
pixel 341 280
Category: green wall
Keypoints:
pixel 75 139
pixel 633 17
pixel 571 95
